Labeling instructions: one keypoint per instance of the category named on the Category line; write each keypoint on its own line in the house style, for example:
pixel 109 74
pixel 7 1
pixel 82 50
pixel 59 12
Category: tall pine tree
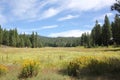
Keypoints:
pixel 32 39
pixel 96 35
pixel 116 30
pixel 1 35
pixel 106 32
pixel 6 37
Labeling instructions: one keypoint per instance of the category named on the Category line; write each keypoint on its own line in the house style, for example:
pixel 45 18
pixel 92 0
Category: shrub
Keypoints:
pixel 76 66
pixel 30 68
pixel 93 65
pixel 3 69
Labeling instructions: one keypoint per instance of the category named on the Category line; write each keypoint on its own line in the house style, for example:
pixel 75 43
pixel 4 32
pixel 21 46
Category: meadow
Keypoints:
pixel 53 61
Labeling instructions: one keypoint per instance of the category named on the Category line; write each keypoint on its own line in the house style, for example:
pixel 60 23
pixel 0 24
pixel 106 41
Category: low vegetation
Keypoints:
pixel 3 70
pixel 30 68
pixel 23 63
pixel 95 65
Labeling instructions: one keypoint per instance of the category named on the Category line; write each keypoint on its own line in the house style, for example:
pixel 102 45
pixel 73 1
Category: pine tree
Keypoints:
pixel 22 43
pixel 36 40
pixel 16 37
pixel 1 35
pixel 93 37
pixel 106 31
pixel 6 37
pixel 86 40
pixel 27 41
pixel 116 30
pixel 116 6
pixel 12 37
pixel 32 39
pixel 96 35
pixel 113 30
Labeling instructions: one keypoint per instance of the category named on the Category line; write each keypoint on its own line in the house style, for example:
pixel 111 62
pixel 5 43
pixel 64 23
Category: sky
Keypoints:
pixel 54 18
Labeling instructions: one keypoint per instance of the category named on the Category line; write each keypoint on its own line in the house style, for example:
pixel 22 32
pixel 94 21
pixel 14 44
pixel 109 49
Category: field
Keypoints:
pixel 52 61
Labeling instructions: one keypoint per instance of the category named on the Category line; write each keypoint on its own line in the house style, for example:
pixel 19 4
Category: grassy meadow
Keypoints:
pixel 53 61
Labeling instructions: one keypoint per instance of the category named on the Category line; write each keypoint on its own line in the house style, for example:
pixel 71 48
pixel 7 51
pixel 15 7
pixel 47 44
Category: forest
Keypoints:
pixel 101 35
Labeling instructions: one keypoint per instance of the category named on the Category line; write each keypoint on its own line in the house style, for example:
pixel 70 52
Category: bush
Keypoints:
pixel 3 69
pixel 93 65
pixel 76 66
pixel 30 68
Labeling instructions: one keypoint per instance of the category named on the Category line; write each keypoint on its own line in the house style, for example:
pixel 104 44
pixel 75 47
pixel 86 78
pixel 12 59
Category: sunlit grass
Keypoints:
pixel 51 59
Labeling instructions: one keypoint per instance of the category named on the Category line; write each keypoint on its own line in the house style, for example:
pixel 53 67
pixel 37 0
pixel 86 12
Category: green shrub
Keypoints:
pixel 3 69
pixel 93 65
pixel 30 68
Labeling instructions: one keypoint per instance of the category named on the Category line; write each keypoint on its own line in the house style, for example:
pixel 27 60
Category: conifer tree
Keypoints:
pixel 21 43
pixel 6 37
pixel 116 6
pixel 116 30
pixel 106 32
pixel 1 35
pixel 32 39
pixel 96 35
pixel 36 40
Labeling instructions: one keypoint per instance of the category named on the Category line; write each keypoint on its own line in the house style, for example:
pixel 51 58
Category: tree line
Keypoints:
pixel 105 35
pixel 12 38
pixel 101 35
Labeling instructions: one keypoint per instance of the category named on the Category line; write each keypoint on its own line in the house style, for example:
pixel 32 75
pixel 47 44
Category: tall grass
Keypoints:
pixel 52 60
pixel 95 65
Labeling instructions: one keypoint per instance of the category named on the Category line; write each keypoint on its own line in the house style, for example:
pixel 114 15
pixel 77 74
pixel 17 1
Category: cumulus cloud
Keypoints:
pixel 70 33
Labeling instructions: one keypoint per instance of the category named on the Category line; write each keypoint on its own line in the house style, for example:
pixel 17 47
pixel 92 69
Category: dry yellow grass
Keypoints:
pixel 51 59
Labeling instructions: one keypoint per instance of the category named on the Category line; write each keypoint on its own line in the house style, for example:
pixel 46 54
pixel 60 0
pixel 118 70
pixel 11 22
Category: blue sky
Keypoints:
pixel 54 18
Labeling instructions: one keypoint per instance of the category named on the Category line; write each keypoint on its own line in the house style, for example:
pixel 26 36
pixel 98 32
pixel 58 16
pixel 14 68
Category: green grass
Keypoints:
pixel 52 60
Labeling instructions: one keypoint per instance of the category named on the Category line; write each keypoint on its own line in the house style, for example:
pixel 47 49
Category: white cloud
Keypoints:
pixel 37 28
pixel 70 33
pixel 85 5
pixel 68 17
pixel 49 27
pixel 49 13
pixel 24 9
pixel 33 10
